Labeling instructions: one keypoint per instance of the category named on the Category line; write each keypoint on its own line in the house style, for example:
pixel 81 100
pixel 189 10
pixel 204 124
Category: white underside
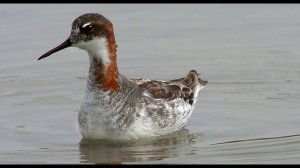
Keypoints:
pixel 101 125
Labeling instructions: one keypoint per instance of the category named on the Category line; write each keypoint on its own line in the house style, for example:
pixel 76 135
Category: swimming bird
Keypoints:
pixel 116 107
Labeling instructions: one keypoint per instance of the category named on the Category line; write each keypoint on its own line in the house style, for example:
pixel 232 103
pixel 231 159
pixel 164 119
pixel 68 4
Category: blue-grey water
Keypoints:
pixel 248 113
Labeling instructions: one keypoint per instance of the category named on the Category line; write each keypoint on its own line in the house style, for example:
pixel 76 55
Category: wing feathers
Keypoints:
pixel 184 88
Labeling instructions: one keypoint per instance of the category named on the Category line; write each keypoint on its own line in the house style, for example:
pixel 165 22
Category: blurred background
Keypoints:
pixel 248 112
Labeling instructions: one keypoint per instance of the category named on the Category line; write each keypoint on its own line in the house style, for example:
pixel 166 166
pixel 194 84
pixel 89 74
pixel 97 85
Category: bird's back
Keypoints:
pixel 185 88
pixel 166 105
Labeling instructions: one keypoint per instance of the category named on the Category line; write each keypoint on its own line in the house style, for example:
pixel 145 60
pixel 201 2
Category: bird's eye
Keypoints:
pixel 87 28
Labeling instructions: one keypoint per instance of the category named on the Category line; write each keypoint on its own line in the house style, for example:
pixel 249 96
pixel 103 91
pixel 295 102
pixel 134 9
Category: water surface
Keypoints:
pixel 248 113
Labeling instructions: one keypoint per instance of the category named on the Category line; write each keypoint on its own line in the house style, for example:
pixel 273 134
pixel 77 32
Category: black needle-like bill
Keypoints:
pixel 63 45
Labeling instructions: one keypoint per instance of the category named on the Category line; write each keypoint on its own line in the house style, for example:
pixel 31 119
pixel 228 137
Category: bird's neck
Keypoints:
pixel 103 72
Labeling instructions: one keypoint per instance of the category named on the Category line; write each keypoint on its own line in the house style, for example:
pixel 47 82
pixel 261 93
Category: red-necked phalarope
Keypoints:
pixel 118 108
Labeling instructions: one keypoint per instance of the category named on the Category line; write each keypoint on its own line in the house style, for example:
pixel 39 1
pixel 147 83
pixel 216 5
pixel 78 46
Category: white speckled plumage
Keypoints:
pixel 118 108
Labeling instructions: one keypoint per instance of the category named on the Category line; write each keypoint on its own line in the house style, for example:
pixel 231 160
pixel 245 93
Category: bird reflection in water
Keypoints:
pixel 108 152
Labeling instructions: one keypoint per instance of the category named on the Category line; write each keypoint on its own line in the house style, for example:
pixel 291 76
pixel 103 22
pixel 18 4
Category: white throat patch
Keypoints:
pixel 96 48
